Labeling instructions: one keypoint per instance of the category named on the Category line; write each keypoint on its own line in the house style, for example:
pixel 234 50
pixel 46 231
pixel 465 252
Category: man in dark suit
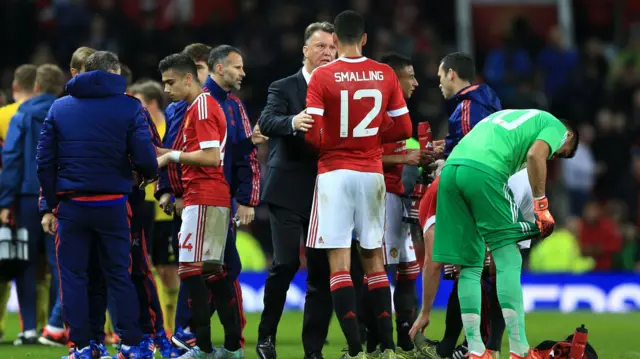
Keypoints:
pixel 288 192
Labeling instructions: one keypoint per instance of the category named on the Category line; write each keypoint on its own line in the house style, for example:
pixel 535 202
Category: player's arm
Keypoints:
pixel 537 167
pixel 46 161
pixel 245 183
pixel 412 157
pixel 207 156
pixel 315 108
pixel 211 133
pixel 400 127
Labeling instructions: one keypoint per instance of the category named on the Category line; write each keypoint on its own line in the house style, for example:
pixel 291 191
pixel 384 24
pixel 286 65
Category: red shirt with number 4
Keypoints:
pixel 347 99
pixel 205 126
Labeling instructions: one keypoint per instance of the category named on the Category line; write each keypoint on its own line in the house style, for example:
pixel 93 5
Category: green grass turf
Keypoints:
pixel 615 336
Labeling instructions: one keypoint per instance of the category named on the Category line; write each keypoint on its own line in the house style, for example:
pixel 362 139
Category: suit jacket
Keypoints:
pixel 292 164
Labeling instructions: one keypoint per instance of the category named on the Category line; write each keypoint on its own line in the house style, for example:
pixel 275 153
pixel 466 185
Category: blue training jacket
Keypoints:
pixel 241 168
pixel 19 176
pixel 93 139
pixel 467 108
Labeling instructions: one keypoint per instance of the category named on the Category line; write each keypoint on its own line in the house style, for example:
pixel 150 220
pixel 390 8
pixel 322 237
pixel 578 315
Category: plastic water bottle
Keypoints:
pixel 5 243
pixel 22 244
pixel 579 343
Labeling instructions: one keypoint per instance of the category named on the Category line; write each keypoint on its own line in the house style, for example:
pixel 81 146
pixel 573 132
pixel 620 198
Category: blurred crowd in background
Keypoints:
pixel 594 83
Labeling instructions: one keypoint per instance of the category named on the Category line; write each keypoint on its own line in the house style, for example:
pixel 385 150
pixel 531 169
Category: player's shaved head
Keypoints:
pixel 349 27
pixel 569 149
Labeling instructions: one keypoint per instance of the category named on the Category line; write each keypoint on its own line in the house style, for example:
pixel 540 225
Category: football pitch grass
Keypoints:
pixel 614 336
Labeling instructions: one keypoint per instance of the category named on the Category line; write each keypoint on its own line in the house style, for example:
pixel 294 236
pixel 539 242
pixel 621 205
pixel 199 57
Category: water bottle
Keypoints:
pixel 579 343
pixel 424 138
pixel 22 244
pixel 5 242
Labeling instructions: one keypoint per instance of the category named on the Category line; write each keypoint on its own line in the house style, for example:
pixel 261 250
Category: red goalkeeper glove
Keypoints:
pixel 544 219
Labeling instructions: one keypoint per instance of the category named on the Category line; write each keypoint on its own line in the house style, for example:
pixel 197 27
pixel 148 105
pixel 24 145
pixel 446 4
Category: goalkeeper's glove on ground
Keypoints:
pixel 544 219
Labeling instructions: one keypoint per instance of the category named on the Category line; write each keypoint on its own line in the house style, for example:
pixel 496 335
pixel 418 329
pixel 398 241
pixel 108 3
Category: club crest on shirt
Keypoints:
pixel 394 253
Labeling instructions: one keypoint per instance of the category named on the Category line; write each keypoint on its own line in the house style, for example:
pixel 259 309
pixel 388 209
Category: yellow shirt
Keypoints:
pixel 150 189
pixel 6 113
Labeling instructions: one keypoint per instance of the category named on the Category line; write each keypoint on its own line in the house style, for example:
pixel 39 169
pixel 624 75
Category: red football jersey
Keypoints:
pixel 393 174
pixel 427 210
pixel 204 126
pixel 347 99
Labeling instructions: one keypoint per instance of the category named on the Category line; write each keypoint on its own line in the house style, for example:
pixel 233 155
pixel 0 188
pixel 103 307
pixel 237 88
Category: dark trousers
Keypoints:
pixel 151 317
pixel 80 228
pixel 28 217
pixel 288 233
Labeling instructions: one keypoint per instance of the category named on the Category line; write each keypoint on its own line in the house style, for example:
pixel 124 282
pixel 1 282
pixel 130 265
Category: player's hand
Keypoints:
pixel 4 215
pixel 49 223
pixel 544 220
pixel 257 137
pixel 165 203
pixel 438 148
pixel 302 121
pixel 246 214
pixel 179 205
pixel 419 325
pixel 164 160
pixel 412 158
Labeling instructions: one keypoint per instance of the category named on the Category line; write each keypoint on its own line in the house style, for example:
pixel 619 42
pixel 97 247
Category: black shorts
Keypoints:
pixel 163 249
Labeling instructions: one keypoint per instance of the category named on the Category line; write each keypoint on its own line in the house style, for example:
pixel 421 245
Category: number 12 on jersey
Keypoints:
pixel 360 130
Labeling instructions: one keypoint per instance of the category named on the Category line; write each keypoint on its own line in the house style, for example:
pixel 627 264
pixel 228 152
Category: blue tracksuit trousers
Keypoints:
pixel 81 226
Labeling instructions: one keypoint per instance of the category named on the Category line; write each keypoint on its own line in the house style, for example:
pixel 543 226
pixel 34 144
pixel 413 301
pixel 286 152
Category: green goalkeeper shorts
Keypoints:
pixel 474 211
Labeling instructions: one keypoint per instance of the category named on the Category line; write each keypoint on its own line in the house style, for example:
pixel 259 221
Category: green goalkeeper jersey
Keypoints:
pixel 499 143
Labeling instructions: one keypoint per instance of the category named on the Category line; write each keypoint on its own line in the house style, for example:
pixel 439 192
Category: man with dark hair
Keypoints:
pixel 242 172
pixel 19 188
pixel 169 192
pixel 476 174
pixel 345 99
pixel 90 194
pixel 203 234
pixel 288 191
pixel 398 245
pixel 467 104
pixel 199 53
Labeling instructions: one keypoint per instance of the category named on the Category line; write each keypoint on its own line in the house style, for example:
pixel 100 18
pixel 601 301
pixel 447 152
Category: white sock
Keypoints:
pixel 30 333
pixel 54 330
pixel 124 347
pixel 471 324
pixel 517 344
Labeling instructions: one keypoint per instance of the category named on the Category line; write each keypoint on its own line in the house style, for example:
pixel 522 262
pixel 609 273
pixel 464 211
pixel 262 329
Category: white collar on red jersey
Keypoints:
pixel 352 59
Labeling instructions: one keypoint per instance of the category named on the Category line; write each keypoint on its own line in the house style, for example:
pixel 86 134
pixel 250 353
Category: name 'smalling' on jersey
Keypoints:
pixel 358 76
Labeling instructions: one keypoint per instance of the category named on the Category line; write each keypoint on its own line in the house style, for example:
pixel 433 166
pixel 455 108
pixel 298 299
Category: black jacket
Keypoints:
pixel 292 164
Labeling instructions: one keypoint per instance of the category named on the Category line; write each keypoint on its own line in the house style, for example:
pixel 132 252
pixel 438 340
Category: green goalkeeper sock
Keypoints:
pixel 508 269
pixel 470 295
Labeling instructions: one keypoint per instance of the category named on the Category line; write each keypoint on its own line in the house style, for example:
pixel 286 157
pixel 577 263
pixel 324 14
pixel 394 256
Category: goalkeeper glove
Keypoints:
pixel 544 220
